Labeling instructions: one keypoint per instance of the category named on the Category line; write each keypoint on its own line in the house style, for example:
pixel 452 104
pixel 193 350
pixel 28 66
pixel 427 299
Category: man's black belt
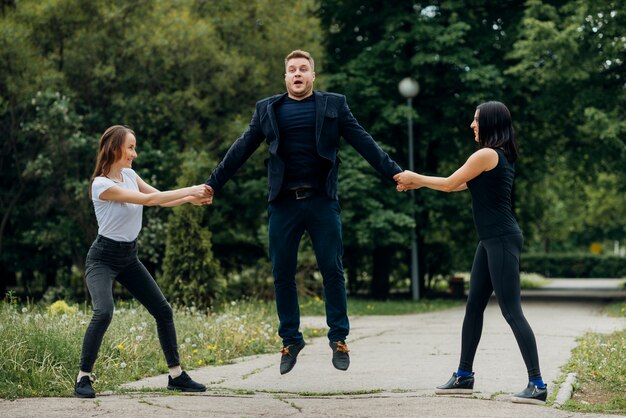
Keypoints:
pixel 300 194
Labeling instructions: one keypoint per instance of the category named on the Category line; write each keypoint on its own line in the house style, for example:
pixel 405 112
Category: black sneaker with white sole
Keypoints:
pixel 457 385
pixel 533 395
pixel 184 383
pixel 83 388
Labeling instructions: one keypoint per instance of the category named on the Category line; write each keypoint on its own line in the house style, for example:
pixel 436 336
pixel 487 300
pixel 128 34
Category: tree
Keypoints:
pixel 191 275
pixel 180 74
pixel 457 55
pixel 567 59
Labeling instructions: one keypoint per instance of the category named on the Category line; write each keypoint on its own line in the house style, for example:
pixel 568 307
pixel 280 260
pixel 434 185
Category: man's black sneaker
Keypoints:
pixel 532 395
pixel 184 383
pixel 289 356
pixel 341 358
pixel 83 388
pixel 457 385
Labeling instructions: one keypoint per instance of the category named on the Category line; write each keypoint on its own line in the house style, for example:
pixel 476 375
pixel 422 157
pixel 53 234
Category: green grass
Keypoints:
pixel 40 349
pixel 617 310
pixel 40 346
pixel 532 281
pixel 527 280
pixel 357 307
pixel 600 364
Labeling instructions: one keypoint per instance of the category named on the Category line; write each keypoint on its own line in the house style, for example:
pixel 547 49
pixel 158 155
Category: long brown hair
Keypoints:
pixel 109 150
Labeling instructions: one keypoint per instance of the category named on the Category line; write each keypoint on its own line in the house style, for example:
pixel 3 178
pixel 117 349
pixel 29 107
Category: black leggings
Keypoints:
pixel 108 261
pixel 496 269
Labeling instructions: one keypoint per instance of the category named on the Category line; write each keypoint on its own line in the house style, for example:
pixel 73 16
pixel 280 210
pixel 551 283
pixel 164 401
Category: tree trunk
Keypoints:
pixel 380 274
pixel 7 278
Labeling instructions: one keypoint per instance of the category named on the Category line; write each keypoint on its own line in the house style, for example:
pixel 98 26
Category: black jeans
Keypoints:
pixel 496 269
pixel 107 261
pixel 288 219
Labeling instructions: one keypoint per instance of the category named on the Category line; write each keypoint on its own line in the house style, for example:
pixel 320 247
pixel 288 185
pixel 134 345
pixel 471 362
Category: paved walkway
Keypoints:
pixel 396 362
pixel 607 289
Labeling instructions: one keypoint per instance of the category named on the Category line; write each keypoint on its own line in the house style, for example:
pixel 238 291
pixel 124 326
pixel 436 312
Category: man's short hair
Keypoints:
pixel 298 53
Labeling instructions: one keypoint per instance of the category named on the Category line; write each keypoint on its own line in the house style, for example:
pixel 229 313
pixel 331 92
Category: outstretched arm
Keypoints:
pixel 151 196
pixel 198 201
pixel 482 160
pixel 362 141
pixel 237 154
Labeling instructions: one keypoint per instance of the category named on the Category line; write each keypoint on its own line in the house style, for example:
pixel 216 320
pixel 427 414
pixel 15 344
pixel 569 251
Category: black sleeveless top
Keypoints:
pixel 491 200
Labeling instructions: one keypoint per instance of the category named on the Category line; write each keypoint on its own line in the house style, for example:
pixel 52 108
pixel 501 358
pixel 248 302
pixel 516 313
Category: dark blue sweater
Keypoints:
pixel 297 149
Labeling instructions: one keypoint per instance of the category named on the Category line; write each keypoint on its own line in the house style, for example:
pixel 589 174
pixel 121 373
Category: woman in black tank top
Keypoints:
pixel 488 174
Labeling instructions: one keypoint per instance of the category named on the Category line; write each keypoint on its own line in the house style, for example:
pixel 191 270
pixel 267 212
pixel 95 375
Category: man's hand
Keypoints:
pixel 206 198
pixel 407 180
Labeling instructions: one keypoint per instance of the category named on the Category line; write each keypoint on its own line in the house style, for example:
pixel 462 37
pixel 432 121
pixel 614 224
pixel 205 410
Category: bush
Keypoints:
pixel 574 265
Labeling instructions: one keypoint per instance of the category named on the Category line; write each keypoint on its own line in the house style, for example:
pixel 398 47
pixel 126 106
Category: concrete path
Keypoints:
pixel 396 362
pixel 579 289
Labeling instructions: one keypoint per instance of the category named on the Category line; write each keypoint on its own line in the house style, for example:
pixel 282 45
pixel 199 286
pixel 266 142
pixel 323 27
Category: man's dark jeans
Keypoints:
pixel 108 261
pixel 288 219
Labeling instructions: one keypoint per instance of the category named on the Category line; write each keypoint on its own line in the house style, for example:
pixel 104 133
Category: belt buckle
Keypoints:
pixel 302 194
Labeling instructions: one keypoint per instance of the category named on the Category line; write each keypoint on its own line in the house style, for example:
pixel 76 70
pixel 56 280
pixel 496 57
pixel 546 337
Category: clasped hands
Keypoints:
pixel 407 180
pixel 201 194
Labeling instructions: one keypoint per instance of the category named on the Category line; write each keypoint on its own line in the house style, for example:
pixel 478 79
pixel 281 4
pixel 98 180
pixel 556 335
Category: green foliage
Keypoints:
pixel 185 76
pixel 552 64
pixel 191 275
pixel 181 74
pixel 456 56
pixel 574 265
pixel 568 63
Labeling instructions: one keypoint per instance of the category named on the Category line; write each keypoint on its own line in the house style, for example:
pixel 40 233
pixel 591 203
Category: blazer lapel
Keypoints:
pixel 320 111
pixel 272 115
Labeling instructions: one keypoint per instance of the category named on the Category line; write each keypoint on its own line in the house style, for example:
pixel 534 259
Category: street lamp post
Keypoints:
pixel 409 88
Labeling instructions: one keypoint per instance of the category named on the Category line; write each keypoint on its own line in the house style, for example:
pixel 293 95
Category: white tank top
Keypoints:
pixel 116 220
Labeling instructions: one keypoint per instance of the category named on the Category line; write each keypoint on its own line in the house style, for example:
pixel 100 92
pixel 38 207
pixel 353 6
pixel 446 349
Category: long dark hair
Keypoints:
pixel 109 150
pixel 495 128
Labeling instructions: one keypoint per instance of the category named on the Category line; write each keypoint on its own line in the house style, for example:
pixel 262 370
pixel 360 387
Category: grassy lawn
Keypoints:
pixel 40 345
pixel 527 281
pixel 599 361
pixel 357 307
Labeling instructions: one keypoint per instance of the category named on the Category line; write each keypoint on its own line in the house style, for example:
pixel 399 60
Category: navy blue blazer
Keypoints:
pixel 333 119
